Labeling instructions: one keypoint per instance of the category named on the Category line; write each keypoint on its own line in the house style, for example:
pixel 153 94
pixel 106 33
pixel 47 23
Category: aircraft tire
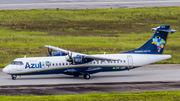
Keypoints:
pixel 14 78
pixel 86 76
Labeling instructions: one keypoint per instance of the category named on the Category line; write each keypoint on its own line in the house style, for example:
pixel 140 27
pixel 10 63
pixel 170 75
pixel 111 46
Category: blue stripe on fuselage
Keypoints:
pixel 82 69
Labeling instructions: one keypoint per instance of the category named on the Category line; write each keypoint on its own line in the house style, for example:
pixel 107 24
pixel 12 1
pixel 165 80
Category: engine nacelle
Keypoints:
pixel 59 53
pixel 80 60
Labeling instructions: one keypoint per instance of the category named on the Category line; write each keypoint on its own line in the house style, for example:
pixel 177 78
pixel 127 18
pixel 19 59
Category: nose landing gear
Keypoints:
pixel 14 77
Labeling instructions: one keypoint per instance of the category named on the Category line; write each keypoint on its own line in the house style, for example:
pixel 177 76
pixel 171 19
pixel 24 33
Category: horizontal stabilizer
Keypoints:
pixel 169 30
pixel 164 28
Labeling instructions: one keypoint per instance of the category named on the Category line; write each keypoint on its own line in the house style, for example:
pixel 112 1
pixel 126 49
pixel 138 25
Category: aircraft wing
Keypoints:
pixel 94 57
pixel 60 49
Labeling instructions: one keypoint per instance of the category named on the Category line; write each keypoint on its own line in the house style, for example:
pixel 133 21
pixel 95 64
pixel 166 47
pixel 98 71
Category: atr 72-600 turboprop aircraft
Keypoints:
pixel 72 63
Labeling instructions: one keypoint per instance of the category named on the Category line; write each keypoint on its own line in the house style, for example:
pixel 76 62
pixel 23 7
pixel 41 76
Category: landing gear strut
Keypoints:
pixel 14 77
pixel 86 76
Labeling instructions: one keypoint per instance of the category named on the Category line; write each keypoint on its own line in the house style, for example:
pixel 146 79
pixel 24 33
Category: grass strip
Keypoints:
pixel 139 96
pixel 90 31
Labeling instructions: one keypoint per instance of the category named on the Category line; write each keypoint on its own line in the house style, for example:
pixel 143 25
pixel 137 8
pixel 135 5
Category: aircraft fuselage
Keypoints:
pixel 58 64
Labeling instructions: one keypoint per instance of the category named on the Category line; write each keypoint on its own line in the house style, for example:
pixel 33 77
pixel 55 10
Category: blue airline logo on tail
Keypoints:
pixel 33 65
pixel 158 42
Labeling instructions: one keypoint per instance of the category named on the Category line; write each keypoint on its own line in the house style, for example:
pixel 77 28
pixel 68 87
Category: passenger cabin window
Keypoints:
pixel 124 61
pixel 63 63
pixel 56 64
pixel 66 63
pixel 42 64
pixel 17 63
pixel 59 64
pixel 53 64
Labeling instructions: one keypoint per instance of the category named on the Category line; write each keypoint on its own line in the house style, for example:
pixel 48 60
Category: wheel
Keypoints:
pixel 14 78
pixel 76 75
pixel 86 76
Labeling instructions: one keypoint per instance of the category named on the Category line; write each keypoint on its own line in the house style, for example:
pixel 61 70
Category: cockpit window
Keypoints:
pixel 17 63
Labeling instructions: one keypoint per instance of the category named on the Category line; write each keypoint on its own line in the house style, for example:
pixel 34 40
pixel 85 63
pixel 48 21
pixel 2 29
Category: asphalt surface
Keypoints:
pixel 157 77
pixel 158 72
pixel 83 4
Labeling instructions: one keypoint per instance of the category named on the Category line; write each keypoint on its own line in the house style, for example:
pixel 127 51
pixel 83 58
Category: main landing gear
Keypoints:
pixel 86 76
pixel 14 77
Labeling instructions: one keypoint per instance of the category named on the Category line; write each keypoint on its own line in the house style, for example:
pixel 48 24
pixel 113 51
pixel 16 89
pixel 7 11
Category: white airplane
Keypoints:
pixel 72 63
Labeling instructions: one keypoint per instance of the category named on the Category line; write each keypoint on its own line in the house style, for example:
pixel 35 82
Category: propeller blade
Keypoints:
pixel 70 57
pixel 49 52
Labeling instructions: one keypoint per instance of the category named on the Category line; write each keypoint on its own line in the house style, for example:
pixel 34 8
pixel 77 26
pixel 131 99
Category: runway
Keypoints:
pixel 81 4
pixel 158 72
pixel 157 77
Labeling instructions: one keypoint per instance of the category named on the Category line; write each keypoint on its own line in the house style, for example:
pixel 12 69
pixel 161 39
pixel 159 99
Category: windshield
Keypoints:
pixel 17 63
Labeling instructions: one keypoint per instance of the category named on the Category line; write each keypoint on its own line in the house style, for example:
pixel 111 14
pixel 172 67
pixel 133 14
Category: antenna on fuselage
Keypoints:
pixel 24 56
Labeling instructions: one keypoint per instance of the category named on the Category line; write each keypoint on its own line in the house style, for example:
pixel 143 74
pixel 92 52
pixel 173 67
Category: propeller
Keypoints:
pixel 70 59
pixel 49 52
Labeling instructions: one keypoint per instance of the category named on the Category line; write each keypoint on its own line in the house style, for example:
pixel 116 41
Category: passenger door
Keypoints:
pixel 130 61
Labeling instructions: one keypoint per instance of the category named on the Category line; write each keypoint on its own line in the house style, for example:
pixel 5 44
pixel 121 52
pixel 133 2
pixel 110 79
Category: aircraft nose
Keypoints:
pixel 5 70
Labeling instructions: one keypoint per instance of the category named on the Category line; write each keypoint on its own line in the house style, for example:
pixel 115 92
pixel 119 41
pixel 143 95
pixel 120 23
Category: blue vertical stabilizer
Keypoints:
pixel 157 43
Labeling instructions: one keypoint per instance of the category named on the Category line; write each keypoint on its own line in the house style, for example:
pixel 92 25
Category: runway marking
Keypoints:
pixel 87 3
